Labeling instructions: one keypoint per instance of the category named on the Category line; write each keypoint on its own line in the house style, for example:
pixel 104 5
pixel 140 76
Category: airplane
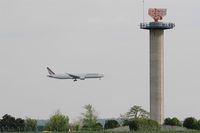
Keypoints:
pixel 73 76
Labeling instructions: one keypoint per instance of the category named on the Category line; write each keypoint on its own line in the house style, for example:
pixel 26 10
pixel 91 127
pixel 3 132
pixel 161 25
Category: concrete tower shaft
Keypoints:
pixel 157 75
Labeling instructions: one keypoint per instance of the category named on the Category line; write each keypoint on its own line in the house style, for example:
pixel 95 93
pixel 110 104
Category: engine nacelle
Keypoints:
pixel 82 78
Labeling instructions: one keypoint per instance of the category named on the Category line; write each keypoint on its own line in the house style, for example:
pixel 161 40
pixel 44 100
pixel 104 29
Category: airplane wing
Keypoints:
pixel 73 76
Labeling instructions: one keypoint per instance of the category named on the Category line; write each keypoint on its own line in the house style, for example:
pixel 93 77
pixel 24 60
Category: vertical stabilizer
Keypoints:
pixel 50 71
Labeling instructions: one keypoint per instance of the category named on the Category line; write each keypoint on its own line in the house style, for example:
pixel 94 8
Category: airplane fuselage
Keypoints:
pixel 79 76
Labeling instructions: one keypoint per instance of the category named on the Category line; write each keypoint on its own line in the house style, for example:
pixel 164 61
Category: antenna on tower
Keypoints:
pixel 143 10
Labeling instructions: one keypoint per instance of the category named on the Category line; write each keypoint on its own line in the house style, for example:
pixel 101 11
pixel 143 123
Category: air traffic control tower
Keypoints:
pixel 156 29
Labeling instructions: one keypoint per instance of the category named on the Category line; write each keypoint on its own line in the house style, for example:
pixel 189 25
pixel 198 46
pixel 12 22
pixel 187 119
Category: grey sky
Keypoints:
pixel 94 36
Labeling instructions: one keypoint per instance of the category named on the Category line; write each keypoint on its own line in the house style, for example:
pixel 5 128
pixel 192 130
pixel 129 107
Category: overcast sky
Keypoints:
pixel 101 36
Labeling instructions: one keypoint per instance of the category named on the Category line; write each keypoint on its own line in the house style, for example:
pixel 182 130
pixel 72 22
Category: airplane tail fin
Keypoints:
pixel 50 71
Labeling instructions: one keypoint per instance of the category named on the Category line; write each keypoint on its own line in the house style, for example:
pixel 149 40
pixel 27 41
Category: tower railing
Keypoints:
pixel 157 25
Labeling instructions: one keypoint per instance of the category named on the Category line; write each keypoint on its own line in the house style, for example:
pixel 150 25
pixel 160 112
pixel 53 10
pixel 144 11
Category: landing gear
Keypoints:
pixel 75 80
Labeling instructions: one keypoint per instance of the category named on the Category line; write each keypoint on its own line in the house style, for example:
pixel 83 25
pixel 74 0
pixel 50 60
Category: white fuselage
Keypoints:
pixel 77 76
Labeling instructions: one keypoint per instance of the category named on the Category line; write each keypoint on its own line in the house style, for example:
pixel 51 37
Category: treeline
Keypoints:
pixel 136 119
pixel 145 124
pixel 10 123
pixel 57 122
pixel 189 122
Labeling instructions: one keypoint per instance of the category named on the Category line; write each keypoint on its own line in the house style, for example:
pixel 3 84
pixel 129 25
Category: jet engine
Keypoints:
pixel 82 78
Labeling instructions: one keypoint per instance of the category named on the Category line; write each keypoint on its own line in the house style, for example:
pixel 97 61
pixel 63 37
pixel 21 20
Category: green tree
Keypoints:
pixel 30 124
pixel 58 122
pixel 98 126
pixel 142 124
pixel 175 122
pixel 172 122
pixel 125 122
pixel 190 123
pixel 136 112
pixel 198 124
pixel 77 127
pixel 167 121
pixel 20 124
pixel 8 123
pixel 89 118
pixel 111 124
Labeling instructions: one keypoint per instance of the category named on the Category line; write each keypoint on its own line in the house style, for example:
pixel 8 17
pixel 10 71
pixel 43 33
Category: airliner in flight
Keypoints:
pixel 73 76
